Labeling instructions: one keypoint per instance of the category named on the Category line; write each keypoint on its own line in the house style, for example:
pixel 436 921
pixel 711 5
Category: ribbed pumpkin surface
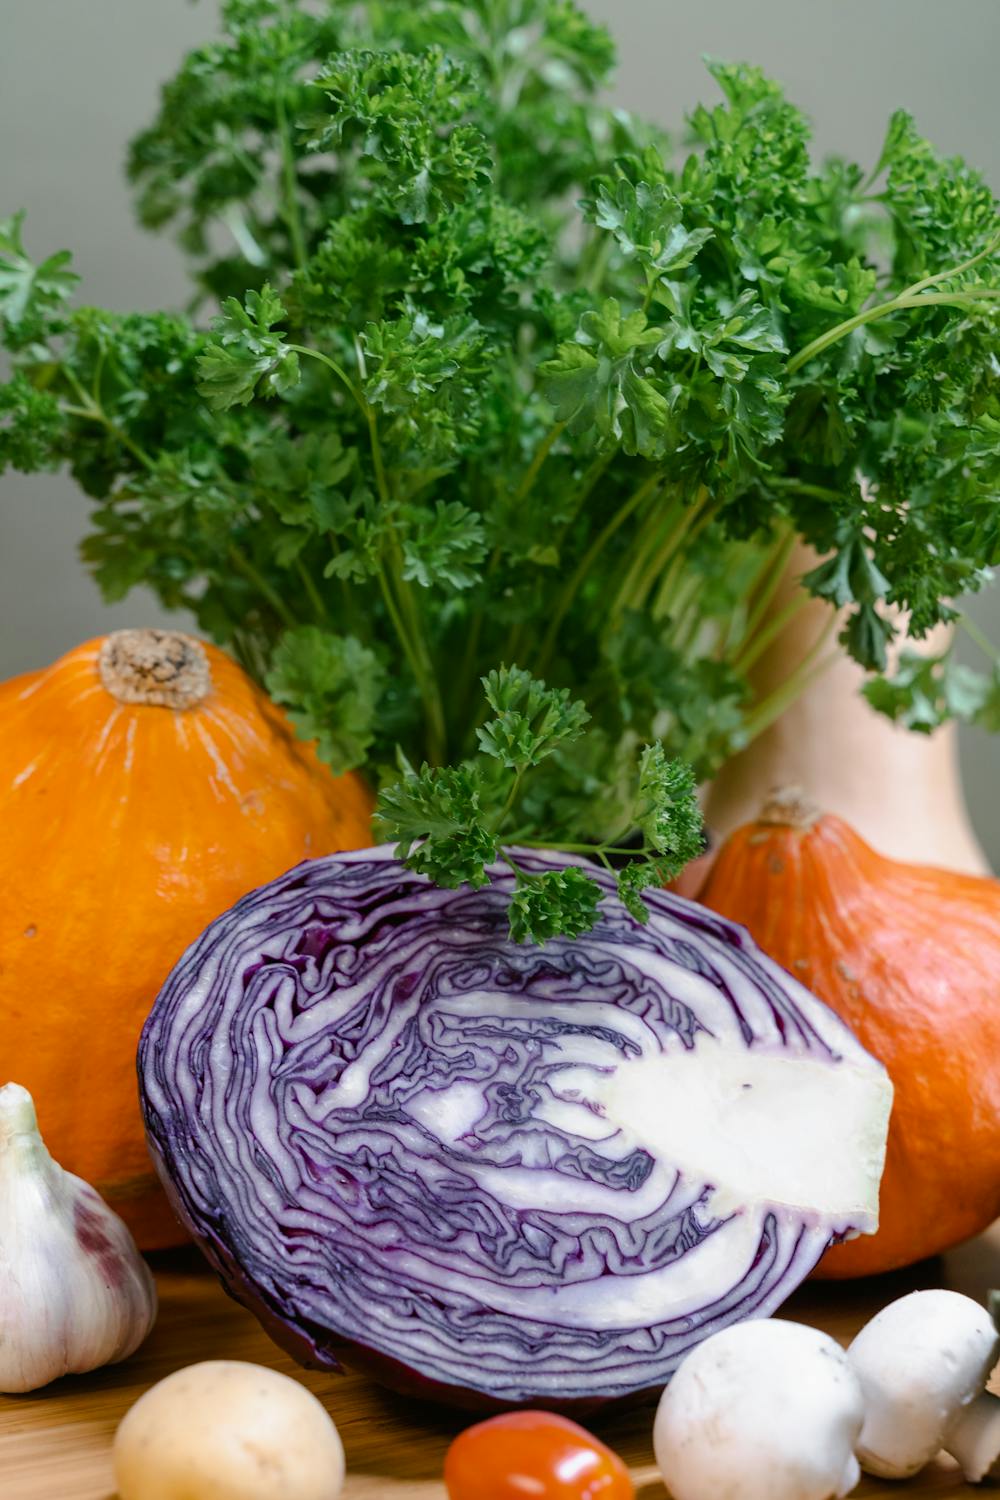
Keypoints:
pixel 909 957
pixel 124 829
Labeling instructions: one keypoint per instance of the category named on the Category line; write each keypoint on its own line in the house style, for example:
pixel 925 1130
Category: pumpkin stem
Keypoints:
pixel 789 807
pixel 162 668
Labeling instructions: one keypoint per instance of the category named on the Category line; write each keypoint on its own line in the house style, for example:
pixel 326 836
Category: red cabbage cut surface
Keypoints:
pixel 492 1173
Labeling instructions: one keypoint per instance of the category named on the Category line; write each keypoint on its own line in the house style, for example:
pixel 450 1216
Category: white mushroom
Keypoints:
pixel 975 1439
pixel 765 1410
pixel 923 1363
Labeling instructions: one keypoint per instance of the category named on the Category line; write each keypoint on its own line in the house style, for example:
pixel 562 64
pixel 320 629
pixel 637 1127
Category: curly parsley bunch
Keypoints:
pixel 486 386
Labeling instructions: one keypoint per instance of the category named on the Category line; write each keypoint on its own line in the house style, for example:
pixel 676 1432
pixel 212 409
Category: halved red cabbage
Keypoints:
pixel 493 1173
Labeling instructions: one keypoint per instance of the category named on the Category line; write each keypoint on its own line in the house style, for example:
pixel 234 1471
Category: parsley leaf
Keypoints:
pixel 405 114
pixel 646 221
pixel 436 815
pixel 531 720
pixel 331 686
pixel 552 904
pixel 28 291
pixel 246 356
pixel 30 427
pixel 450 822
pixel 601 381
pixel 925 691
pixel 444 545
pixel 667 812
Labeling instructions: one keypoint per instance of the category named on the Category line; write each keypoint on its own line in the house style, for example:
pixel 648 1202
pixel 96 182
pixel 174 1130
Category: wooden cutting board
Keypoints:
pixel 55 1445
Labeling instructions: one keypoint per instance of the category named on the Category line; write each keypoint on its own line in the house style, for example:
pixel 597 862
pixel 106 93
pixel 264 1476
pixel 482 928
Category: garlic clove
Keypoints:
pixel 75 1293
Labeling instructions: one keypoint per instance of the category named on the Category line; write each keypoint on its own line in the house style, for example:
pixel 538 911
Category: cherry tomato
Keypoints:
pixel 533 1455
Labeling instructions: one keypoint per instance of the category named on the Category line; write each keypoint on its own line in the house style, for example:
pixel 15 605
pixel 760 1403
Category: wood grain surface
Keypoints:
pixel 55 1445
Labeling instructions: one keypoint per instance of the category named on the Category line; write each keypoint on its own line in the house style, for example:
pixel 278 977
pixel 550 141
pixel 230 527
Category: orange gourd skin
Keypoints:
pixel 909 957
pixel 124 829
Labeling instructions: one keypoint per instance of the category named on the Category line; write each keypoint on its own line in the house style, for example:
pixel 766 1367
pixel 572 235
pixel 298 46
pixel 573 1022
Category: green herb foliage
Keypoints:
pixel 454 821
pixel 477 371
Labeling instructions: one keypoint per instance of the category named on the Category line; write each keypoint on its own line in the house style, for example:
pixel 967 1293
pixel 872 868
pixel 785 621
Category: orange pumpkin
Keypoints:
pixel 909 956
pixel 145 785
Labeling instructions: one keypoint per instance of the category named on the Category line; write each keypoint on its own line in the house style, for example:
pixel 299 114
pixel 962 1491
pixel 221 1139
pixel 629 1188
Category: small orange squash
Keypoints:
pixel 145 785
pixel 909 956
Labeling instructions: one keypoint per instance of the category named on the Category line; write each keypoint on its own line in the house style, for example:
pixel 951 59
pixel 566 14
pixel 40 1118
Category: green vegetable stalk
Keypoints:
pixel 478 373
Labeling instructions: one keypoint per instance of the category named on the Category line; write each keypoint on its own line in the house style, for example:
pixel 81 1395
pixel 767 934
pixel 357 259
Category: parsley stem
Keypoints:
pixel 435 730
pixel 337 369
pixel 661 522
pixel 411 636
pixel 392 610
pixel 778 702
pixel 289 181
pixel 515 787
pixel 92 411
pixel 89 414
pixel 88 402
pixel 840 331
pixel 899 303
pixel 252 575
pixel 774 573
pixel 974 633
pixel 406 617
pixel 599 259
pixel 347 592
pixel 800 487
pixel 467 671
pixel 95 384
pixel 700 517
pixel 687 615
pixel 754 646
pixel 541 454
pixel 427 680
pixel 911 296
pixel 521 873
pixel 415 649
pixel 381 483
pixel 691 522
pixel 774 705
pixel 585 564
pixel 309 584
pixel 423 664
pixel 590 477
pixel 959 298
pixel 966 265
pixel 594 849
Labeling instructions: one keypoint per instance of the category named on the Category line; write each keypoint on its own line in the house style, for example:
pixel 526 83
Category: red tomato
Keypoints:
pixel 533 1455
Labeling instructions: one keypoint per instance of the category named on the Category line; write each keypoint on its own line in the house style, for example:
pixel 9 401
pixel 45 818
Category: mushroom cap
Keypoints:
pixel 920 1361
pixel 764 1410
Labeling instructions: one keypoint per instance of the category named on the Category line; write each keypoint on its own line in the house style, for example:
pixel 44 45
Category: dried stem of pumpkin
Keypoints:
pixel 789 807
pixel 160 668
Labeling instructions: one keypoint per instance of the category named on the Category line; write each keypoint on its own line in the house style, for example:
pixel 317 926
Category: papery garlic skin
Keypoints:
pixel 75 1293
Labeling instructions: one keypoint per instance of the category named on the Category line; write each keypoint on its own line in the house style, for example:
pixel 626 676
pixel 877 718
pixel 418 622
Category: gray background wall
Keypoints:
pixel 78 77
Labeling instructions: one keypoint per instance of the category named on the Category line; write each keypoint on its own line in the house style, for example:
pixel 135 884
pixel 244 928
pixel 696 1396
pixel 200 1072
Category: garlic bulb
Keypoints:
pixel 74 1291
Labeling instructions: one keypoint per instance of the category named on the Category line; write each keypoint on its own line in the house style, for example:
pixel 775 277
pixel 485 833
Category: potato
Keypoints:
pixel 227 1430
